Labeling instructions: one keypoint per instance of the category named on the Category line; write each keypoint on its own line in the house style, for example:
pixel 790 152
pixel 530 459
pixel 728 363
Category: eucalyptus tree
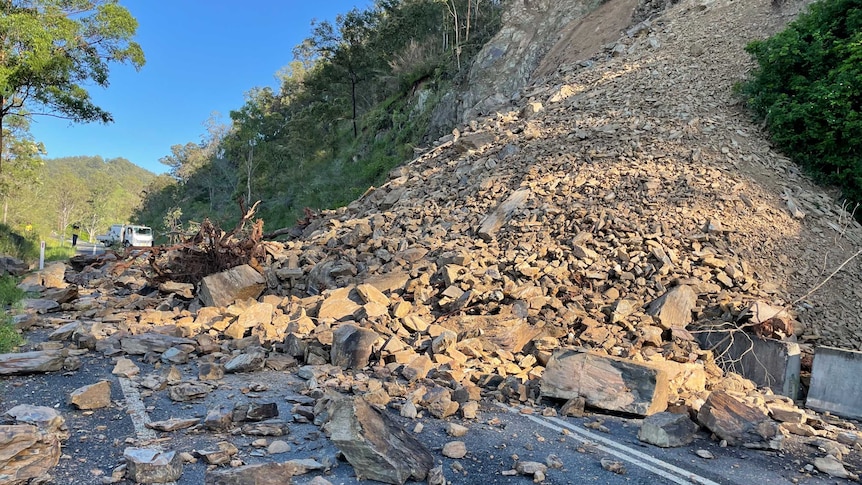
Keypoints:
pixel 22 157
pixel 51 50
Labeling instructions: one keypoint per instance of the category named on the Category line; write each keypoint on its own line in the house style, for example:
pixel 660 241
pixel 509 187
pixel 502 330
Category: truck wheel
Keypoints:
pixel 126 244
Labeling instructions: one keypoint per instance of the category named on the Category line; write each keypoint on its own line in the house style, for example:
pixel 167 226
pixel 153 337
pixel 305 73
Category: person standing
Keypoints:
pixel 75 229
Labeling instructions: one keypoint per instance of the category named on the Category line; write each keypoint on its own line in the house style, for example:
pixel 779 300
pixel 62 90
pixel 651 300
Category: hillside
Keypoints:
pixel 87 190
pixel 643 171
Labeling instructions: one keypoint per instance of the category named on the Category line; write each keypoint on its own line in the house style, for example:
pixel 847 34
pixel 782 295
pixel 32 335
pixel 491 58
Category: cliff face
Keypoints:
pixel 537 37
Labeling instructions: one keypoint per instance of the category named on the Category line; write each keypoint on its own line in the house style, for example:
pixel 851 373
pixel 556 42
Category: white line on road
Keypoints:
pixel 631 455
pixel 137 410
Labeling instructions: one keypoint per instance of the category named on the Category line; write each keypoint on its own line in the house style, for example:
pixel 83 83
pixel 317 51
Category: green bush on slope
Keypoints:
pixel 808 91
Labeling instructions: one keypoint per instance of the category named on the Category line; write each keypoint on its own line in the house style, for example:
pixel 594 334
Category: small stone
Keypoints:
pixel 456 430
pixel 705 454
pixel 278 447
pixel 455 450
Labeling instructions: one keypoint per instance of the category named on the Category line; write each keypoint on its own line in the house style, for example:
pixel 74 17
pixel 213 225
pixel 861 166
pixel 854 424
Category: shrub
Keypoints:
pixel 808 91
pixel 9 295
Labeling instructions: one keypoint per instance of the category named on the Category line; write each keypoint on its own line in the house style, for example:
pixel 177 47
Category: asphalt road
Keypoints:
pixel 500 435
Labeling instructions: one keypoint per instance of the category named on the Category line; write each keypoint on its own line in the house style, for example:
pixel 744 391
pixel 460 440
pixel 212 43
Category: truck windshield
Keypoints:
pixel 143 230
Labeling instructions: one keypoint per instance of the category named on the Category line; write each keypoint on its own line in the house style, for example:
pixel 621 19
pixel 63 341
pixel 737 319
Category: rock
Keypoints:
pixel 152 342
pixel 832 467
pixel 65 332
pixel 340 304
pixel 41 416
pixel 705 454
pixel 352 346
pixel 739 423
pixel 187 391
pixel 12 266
pixel 417 368
pixel 438 401
pixel 277 447
pixel 26 452
pixel 239 283
pixel 40 305
pixel 605 382
pixel 251 361
pixel 667 430
pixel 613 466
pixel 183 290
pixel 262 474
pixel 376 447
pixel 267 428
pixel 255 411
pixel 495 220
pixel 218 418
pixel 31 362
pixel 456 430
pixel 455 450
pixel 149 465
pixel 125 368
pixel 221 455
pixel 502 331
pixel 210 371
pixel 673 309
pixel 94 396
pixel 54 275
pixel 173 424
pixel 532 468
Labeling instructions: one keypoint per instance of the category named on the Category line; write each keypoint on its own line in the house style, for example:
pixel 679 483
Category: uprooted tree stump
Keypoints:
pixel 211 250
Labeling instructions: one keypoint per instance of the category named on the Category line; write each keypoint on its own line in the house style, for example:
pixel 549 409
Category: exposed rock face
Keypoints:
pixel 507 62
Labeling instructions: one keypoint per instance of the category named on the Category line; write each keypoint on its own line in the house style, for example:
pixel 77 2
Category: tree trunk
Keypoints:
pixel 2 102
pixel 353 99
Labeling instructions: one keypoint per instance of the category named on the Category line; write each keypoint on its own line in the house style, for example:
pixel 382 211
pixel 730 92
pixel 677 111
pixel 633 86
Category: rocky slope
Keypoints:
pixel 624 204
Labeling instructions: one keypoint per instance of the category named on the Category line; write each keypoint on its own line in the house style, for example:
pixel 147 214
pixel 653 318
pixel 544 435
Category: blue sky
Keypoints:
pixel 202 56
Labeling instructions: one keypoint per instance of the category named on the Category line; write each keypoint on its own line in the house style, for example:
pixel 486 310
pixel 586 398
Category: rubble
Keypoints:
pixel 565 252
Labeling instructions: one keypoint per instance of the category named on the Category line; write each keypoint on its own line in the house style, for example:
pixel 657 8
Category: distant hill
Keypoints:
pixel 88 191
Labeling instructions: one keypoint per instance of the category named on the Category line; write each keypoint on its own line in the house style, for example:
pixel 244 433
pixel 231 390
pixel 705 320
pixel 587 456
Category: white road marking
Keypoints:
pixel 661 468
pixel 137 410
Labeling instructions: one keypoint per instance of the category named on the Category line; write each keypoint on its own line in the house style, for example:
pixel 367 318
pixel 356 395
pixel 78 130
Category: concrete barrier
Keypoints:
pixel 835 383
pixel 768 362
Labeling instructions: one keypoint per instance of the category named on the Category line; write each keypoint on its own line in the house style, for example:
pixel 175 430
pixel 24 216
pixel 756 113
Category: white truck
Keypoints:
pixel 127 235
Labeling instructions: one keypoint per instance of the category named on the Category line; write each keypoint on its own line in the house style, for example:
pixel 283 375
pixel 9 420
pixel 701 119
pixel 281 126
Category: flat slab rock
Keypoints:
pixel 31 362
pixel 262 474
pixel 606 382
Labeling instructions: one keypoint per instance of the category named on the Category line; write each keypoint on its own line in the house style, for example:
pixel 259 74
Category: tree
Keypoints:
pixel 344 47
pixel 22 157
pixel 51 49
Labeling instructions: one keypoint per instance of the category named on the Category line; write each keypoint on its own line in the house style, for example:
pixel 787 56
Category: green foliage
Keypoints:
pixel 9 337
pixel 18 246
pixel 9 291
pixel 51 51
pixel 10 294
pixel 808 90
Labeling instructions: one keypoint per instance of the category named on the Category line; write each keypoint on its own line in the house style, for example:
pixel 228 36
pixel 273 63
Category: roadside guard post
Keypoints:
pixel 42 255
